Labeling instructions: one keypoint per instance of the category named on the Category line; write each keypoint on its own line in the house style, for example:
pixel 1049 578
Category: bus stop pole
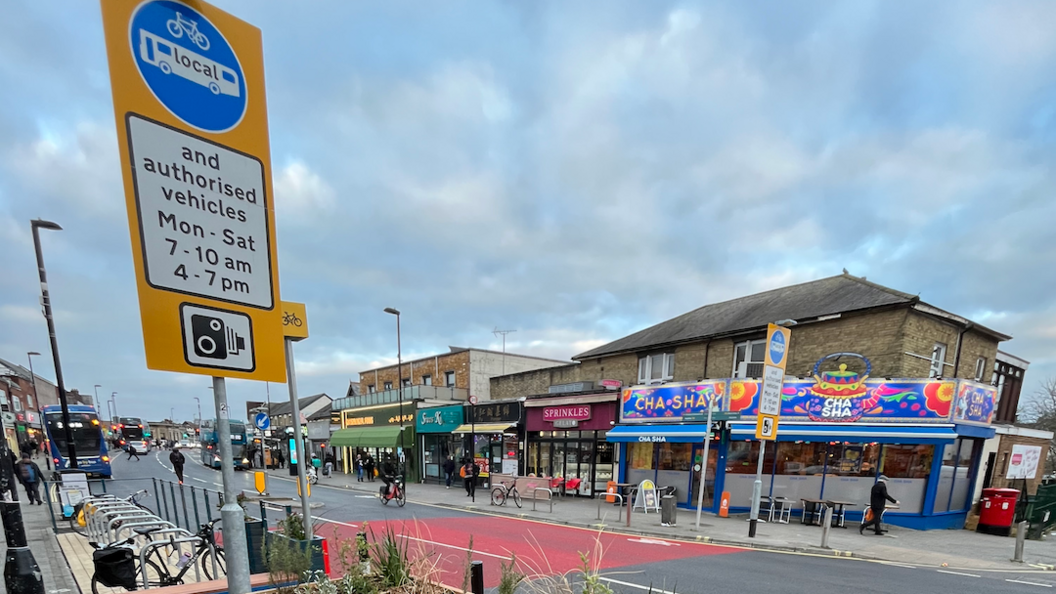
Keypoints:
pixel 298 441
pixel 232 515
pixel 704 461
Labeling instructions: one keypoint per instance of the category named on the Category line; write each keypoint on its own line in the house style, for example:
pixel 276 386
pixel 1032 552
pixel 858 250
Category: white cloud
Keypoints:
pixel 301 195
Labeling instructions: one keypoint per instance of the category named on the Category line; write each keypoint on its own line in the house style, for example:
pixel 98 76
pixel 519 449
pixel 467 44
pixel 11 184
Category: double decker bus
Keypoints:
pixel 133 431
pixel 211 444
pixel 88 440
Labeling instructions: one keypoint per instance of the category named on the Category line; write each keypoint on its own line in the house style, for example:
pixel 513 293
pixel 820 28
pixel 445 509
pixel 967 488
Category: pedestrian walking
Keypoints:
pixel 34 448
pixel 878 499
pixel 30 476
pixel 469 474
pixel 177 460
pixel 328 464
pixel 132 452
pixel 280 458
pixel 359 467
pixel 449 469
pixel 368 466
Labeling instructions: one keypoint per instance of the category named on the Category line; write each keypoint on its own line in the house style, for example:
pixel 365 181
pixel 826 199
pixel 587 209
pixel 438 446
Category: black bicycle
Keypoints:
pixel 504 492
pixel 115 563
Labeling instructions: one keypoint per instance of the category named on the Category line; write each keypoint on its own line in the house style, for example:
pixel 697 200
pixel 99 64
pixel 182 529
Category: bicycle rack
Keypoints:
pixel 147 524
pixel 145 549
pixel 549 497
pixel 112 530
pixel 605 496
pixel 98 523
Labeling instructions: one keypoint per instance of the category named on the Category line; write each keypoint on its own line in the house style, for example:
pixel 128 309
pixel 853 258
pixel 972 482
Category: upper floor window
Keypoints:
pixel 370 389
pixel 16 402
pixel 427 380
pixel 938 358
pixel 980 368
pixel 749 357
pixel 388 385
pixel 406 382
pixel 655 369
pixel 449 379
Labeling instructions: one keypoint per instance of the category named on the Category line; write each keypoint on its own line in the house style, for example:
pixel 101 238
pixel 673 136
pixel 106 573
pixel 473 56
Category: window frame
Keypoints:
pixel 938 359
pixel 740 370
pixel 371 389
pixel 387 386
pixel 980 368
pixel 449 379
pixel 427 380
pixel 406 382
pixel 645 368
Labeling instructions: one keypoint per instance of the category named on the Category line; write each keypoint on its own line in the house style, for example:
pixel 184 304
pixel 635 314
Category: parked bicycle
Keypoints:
pixel 82 511
pixel 115 563
pixel 393 490
pixel 503 492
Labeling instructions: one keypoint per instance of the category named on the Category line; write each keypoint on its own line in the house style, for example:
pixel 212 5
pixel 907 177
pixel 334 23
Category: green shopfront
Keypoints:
pixel 435 427
pixel 839 431
pixel 380 432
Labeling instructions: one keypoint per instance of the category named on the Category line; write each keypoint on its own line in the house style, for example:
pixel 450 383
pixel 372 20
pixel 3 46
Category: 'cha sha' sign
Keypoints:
pixel 670 401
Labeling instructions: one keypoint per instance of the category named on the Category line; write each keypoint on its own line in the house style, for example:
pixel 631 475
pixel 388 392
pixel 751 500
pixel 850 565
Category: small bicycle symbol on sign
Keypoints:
pixel 291 319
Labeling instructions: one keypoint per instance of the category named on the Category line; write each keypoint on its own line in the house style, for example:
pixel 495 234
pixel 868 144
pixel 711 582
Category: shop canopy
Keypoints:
pixel 854 433
pixel 372 437
pixel 658 433
pixel 483 428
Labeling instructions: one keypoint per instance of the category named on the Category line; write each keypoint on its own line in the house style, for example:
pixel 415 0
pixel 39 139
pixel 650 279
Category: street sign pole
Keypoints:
pixel 757 491
pixel 704 462
pixel 298 440
pixel 769 413
pixel 233 516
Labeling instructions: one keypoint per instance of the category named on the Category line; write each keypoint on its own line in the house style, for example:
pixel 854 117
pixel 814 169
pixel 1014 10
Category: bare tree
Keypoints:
pixel 1039 412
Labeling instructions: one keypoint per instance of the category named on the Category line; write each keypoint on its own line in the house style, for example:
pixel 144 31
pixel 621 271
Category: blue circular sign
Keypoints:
pixel 262 421
pixel 777 348
pixel 188 65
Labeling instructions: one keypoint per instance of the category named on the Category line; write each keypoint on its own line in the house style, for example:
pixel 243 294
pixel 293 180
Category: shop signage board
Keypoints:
pixel 378 415
pixel 579 412
pixel 669 402
pixel 188 91
pixel 442 419
pixel 499 412
pixel 770 395
pixel 611 384
pixel 1024 461
pixel 974 403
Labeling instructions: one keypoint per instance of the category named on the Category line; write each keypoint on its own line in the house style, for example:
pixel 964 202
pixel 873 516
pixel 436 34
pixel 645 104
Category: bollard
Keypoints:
pixel 1021 540
pixel 21 572
pixel 156 496
pixel 826 526
pixel 476 577
pixel 263 513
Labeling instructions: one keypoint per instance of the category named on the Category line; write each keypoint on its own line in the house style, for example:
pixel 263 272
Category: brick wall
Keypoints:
pixel 921 334
pixel 457 362
pixel 1004 454
pixel 620 367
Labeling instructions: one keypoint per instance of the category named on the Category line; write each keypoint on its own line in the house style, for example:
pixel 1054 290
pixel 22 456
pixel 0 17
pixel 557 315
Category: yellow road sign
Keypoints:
pixel 188 87
pixel 766 427
pixel 294 321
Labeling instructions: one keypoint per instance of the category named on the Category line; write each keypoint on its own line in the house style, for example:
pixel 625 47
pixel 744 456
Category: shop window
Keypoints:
pixel 980 368
pixel 656 369
pixel 449 379
pixel 388 386
pixel 743 456
pixel 427 380
pixel 938 357
pixel 854 459
pixel 748 359
pixel 800 458
pixel 951 493
pixel 907 461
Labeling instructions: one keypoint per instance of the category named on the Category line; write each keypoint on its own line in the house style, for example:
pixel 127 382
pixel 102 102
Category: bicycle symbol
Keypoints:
pixel 179 25
pixel 291 318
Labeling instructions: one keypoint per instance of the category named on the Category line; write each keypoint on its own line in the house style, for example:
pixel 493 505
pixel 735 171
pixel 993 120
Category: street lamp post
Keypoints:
pixel 399 379
pixel 36 225
pixel 40 409
pixel 199 402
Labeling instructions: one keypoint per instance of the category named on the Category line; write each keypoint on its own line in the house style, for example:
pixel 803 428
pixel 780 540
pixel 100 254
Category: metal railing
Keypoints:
pixel 1041 511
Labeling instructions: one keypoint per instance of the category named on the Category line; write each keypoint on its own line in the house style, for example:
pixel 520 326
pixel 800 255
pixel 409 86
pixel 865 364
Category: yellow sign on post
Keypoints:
pixel 294 321
pixel 777 339
pixel 188 87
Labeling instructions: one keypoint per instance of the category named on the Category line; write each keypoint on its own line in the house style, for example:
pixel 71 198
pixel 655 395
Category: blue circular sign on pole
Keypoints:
pixel 777 348
pixel 188 65
pixel 262 421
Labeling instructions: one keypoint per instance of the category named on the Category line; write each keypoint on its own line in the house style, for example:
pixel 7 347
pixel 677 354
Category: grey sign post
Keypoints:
pixel 236 548
pixel 298 441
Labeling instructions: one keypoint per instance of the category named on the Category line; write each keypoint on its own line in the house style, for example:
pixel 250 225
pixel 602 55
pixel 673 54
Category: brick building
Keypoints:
pixel 21 402
pixel 900 334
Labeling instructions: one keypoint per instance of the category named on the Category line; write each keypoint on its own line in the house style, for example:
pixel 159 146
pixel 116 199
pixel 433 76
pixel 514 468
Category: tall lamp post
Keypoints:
pixel 37 225
pixel 399 378
pixel 199 402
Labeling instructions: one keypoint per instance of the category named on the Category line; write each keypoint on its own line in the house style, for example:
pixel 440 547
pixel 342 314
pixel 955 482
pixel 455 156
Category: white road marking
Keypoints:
pixel 328 520
pixel 194 478
pixel 654 541
pixel 633 585
pixel 1029 583
pixel 956 573
pixel 893 564
pixel 440 544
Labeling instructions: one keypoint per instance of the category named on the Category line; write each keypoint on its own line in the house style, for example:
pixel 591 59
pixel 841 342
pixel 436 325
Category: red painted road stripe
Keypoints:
pixel 541 549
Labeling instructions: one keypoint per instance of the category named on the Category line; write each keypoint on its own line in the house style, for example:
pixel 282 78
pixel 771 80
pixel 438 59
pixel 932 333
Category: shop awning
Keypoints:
pixel 855 433
pixel 483 428
pixel 658 433
pixel 371 437
pixel 983 432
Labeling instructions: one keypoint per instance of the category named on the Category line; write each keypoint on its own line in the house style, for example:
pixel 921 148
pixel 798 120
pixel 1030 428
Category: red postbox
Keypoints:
pixel 997 511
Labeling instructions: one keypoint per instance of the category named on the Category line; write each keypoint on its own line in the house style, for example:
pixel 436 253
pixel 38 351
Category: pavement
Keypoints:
pixel 58 579
pixel 937 548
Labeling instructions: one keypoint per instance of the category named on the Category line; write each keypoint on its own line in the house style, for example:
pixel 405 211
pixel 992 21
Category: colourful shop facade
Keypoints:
pixel 839 431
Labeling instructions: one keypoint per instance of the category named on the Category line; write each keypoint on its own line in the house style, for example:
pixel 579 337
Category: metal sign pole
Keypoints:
pixel 232 514
pixel 704 462
pixel 298 440
pixel 757 491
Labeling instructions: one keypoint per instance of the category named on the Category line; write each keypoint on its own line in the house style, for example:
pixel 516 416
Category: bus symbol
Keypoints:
pixel 173 59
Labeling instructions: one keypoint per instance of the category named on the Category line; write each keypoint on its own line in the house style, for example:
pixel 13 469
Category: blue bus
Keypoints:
pixel 211 445
pixel 88 440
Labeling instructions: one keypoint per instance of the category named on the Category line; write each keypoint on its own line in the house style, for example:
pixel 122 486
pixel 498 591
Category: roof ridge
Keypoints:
pixel 869 283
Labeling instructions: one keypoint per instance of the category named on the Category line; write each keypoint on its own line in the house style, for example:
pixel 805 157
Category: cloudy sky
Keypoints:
pixel 572 170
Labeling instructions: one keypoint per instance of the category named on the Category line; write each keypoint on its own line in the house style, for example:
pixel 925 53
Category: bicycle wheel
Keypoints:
pixel 517 497
pixel 498 496
pixel 401 497
pixel 207 564
pixel 79 522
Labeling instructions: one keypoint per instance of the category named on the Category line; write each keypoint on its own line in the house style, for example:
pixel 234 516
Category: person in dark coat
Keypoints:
pixel 177 459
pixel 29 475
pixel 368 465
pixel 470 471
pixel 132 452
pixel 878 499
pixel 449 469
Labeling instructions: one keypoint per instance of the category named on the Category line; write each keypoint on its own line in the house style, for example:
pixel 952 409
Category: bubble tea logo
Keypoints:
pixel 188 65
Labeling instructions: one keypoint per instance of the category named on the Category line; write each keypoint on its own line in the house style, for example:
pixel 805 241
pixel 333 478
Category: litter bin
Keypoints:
pixel 667 510
pixel 997 510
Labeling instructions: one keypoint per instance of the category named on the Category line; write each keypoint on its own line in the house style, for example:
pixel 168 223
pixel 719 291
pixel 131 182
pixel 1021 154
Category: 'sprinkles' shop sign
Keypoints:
pixel 566 413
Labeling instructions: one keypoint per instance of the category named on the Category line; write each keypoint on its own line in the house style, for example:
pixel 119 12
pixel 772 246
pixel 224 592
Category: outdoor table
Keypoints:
pixel 812 509
pixel 839 512
pixel 783 510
